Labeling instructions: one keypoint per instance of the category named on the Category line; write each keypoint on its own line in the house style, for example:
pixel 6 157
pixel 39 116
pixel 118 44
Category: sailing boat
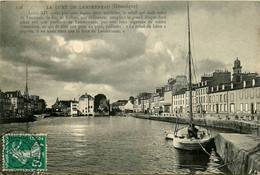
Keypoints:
pixel 191 137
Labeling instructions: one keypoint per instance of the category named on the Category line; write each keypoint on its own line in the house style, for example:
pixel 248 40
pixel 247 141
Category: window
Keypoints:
pixel 241 94
pixel 246 94
pixel 220 98
pixel 232 97
pixel 213 99
pixel 225 107
pixel 209 107
pixel 241 107
pixel 210 99
pixel 246 105
pixel 204 99
pixel 252 93
pixel 217 98
pixel 220 109
pixel 213 108
pixel 225 97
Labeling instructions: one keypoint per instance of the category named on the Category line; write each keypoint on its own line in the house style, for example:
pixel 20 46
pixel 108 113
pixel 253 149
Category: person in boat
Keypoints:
pixel 192 131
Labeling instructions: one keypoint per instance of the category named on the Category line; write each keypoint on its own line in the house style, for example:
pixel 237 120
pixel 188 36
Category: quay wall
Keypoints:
pixel 240 152
pixel 235 125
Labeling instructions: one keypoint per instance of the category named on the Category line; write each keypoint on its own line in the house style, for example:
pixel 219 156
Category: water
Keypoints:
pixel 116 145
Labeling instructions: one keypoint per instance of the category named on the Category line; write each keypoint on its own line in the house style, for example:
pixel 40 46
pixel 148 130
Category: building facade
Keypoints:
pixel 86 105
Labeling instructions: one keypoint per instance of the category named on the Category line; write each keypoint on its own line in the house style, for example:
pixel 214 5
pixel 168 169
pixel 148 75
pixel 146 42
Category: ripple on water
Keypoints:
pixel 116 145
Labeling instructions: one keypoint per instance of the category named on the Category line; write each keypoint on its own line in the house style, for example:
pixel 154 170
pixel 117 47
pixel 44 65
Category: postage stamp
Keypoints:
pixel 24 152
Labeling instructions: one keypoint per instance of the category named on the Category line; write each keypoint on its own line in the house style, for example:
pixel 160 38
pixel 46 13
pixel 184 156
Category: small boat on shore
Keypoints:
pixel 169 135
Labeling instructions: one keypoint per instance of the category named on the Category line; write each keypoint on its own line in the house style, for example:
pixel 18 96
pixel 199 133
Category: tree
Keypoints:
pixel 98 98
pixel 131 99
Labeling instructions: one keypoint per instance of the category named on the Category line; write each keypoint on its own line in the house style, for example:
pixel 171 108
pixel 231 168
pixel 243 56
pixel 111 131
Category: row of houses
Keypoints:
pixel 13 103
pixel 217 93
pixel 84 106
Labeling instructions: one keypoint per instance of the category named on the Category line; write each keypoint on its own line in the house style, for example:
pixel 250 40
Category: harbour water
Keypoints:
pixel 116 145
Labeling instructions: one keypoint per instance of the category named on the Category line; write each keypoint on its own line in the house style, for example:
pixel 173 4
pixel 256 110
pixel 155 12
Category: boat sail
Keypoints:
pixel 191 137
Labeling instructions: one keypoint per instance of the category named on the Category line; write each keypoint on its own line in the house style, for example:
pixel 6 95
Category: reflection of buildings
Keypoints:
pixel 215 93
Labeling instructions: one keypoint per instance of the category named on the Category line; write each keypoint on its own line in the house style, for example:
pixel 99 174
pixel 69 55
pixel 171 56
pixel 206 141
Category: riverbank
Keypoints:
pixel 240 152
pixel 245 127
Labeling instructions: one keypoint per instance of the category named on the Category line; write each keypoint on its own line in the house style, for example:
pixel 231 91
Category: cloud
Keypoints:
pixel 125 64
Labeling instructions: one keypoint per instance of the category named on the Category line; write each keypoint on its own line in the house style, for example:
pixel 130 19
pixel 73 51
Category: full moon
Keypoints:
pixel 78 46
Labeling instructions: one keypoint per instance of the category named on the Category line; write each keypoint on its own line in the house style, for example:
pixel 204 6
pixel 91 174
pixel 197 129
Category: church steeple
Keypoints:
pixel 26 92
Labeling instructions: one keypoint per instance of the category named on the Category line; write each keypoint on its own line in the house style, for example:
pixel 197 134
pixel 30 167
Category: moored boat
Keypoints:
pixel 182 140
pixel 191 137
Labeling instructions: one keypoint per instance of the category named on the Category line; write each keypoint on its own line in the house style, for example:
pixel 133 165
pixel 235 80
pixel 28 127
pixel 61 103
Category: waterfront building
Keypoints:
pixel 168 100
pixel 129 107
pixel 156 105
pixel 41 105
pixel 17 101
pixel 142 102
pixel 201 96
pixel 74 108
pixel 179 101
pixel 61 107
pixel 5 105
pixel 86 105
pixel 136 105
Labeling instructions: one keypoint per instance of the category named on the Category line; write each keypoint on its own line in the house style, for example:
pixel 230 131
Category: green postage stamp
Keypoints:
pixel 24 152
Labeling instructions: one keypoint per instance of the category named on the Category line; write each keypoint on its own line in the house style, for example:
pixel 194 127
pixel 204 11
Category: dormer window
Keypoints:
pixel 253 82
pixel 223 87
pixel 232 85
pixel 205 83
pixel 212 89
pixel 217 88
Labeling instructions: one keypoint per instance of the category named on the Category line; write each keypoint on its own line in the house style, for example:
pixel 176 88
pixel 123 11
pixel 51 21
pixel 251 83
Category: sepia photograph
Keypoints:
pixel 129 87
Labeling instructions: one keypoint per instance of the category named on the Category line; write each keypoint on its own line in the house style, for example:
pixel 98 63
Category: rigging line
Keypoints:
pixel 194 73
pixel 204 149
pixel 185 60
pixel 194 52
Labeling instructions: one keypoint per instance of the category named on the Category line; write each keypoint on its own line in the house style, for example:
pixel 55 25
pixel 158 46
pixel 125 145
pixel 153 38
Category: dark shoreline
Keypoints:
pixel 7 120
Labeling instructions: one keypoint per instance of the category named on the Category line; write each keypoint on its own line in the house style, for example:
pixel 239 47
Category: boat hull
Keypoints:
pixel 181 141
pixel 191 144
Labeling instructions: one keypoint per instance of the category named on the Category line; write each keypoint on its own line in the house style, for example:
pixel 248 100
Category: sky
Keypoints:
pixel 138 60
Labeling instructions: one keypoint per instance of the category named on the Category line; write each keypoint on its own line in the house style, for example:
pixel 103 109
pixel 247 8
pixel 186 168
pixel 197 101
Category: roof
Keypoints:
pixel 181 91
pixel 86 96
pixel 236 86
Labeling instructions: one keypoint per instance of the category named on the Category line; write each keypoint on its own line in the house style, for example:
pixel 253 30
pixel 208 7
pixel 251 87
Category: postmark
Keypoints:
pixel 24 152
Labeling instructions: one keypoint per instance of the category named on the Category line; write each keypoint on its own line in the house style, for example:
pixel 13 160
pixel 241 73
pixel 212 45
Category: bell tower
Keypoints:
pixel 237 70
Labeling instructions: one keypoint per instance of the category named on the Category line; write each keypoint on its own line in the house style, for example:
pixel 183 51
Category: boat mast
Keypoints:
pixel 190 78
